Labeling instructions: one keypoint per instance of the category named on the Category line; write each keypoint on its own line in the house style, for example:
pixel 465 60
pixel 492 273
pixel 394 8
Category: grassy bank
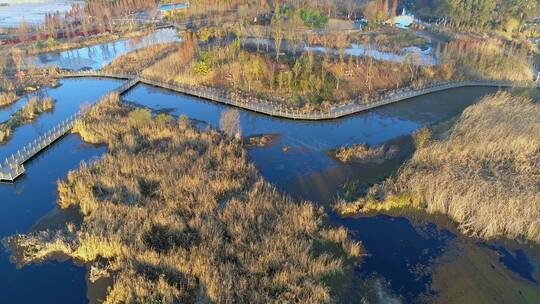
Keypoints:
pixel 174 214
pixel 136 61
pixel 7 98
pixel 484 176
pixel 28 113
pixel 306 80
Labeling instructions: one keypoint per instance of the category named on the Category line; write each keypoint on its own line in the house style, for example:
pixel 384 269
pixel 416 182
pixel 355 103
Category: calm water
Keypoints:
pixel 424 57
pixel 24 203
pixel 309 141
pixel 31 11
pixel 34 195
pixel 94 57
pixel 398 252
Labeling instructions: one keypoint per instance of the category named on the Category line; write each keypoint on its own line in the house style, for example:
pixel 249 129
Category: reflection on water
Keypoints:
pixel 397 251
pixel 34 194
pixel 515 260
pixel 96 56
pixel 21 205
pixel 414 54
pixel 423 57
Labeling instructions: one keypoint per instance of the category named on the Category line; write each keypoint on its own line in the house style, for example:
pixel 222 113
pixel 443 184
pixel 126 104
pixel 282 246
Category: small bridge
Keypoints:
pixel 13 166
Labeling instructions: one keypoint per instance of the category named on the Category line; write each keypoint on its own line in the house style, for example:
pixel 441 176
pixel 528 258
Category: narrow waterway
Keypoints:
pixel 70 96
pixel 307 142
pixel 24 203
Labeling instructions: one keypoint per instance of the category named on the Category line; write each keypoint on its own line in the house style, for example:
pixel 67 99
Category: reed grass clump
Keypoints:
pixel 179 215
pixel 136 61
pixel 365 153
pixel 484 176
pixel 7 98
pixel 490 59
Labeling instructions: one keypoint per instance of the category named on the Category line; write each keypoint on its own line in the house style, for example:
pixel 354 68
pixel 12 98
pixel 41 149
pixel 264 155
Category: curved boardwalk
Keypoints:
pixel 278 110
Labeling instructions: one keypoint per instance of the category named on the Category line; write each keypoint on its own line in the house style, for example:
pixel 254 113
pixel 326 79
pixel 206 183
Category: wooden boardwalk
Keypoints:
pixel 279 110
pixel 350 108
pixel 13 166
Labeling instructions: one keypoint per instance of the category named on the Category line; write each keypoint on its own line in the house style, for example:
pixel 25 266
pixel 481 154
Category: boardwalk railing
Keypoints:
pixel 94 73
pixel 128 85
pixel 13 166
pixel 278 110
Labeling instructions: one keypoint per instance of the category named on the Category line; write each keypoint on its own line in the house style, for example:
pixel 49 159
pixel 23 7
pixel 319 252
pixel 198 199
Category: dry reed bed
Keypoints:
pixel 365 153
pixel 489 59
pixel 136 61
pixel 485 176
pixel 7 98
pixel 179 215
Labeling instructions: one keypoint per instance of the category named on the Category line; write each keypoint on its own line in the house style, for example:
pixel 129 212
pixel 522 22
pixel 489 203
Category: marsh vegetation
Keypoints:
pixel 484 176
pixel 174 214
pixel 136 61
pixel 365 153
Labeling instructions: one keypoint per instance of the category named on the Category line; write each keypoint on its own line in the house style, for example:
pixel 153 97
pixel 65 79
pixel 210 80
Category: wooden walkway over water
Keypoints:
pixel 279 110
pixel 13 166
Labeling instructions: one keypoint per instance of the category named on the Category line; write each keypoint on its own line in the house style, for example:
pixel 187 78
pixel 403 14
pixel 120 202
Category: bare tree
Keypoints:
pixel 229 123
pixel 18 59
pixel 277 34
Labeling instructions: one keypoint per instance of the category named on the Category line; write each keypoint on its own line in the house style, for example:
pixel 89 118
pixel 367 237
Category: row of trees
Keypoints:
pixel 508 15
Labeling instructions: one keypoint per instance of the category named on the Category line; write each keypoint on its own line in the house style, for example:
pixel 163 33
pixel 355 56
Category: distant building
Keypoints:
pixel 403 21
pixel 168 10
